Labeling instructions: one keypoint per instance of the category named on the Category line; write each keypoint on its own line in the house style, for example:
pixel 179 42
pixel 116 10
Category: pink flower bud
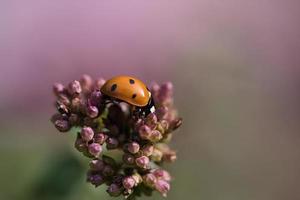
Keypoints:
pixel 155 136
pixel 128 159
pixel 92 111
pixel 162 174
pixel 112 143
pixel 148 150
pixel 100 138
pixel 142 161
pixel 74 88
pixel 62 125
pixel 99 83
pixel 87 133
pixel 133 147
pixel 151 120
pixel 145 132
pixel 58 88
pixel 163 187
pixel 128 182
pixel 95 149
pixel 149 180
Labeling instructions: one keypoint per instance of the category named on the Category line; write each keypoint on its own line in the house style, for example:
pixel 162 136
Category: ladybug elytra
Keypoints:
pixel 130 90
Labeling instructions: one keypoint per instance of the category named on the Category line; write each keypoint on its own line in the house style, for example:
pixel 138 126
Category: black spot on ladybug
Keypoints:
pixel 113 87
pixel 133 96
pixel 131 81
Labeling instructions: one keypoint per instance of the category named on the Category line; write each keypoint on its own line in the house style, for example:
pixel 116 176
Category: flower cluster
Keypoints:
pixel 126 150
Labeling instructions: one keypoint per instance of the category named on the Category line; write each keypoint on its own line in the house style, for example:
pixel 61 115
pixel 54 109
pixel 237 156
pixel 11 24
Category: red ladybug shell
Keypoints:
pixel 128 89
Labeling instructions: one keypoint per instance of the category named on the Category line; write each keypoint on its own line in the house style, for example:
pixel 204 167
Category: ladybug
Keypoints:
pixel 130 90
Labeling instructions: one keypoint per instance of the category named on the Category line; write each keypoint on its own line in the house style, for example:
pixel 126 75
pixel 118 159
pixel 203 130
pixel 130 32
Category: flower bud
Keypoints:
pixel 149 180
pixel 74 88
pixel 80 145
pixel 95 98
pixel 86 82
pixel 148 150
pixel 100 138
pixel 176 123
pixel 108 170
pixel 95 149
pixel 87 133
pixel 155 136
pixel 169 156
pixel 161 112
pixel 163 187
pixel 62 125
pixel 128 159
pixel 154 89
pixel 58 89
pixel 164 125
pixel 166 88
pixel 137 178
pixel 95 179
pixel 128 182
pixel 92 111
pixel 97 165
pixel 145 132
pixel 151 120
pixel 112 143
pixel 156 155
pixel 63 99
pixel 133 147
pixel 114 190
pixel 142 161
pixel 99 83
pixel 162 174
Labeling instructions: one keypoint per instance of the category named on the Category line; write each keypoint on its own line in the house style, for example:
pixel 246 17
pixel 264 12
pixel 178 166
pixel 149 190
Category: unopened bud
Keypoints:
pixel 92 111
pixel 95 149
pixel 96 179
pixel 114 190
pixel 58 89
pixel 62 125
pixel 156 155
pixel 149 180
pixel 155 136
pixel 128 182
pixel 142 161
pixel 162 187
pixel 128 159
pixel 145 132
pixel 74 88
pixel 133 147
pixel 100 138
pixel 112 143
pixel 148 150
pixel 162 174
pixel 87 133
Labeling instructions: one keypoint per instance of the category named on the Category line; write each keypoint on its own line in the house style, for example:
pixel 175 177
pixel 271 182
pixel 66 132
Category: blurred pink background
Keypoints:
pixel 234 63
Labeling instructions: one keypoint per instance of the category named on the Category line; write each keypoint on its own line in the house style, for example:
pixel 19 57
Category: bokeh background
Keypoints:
pixel 234 64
